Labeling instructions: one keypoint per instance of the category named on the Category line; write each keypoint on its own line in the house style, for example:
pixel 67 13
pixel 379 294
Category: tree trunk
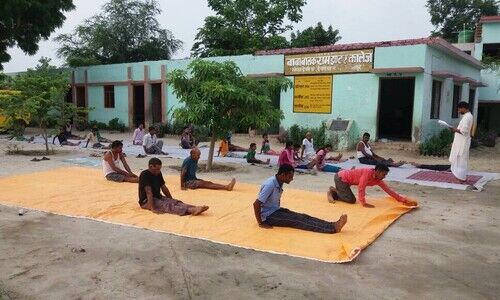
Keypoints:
pixel 211 151
pixel 46 139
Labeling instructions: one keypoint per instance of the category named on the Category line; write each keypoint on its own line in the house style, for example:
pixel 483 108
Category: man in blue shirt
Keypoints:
pixel 269 213
pixel 189 179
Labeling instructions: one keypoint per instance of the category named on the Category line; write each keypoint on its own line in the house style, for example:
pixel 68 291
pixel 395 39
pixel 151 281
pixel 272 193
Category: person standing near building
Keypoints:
pixel 459 154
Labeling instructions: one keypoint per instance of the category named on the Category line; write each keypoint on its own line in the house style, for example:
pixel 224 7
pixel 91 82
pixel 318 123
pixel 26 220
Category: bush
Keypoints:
pixel 99 125
pixel 296 134
pixel 201 133
pixel 438 145
pixel 116 125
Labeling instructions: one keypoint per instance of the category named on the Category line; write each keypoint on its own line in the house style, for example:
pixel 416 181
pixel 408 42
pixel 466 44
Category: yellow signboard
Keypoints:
pixel 313 94
pixel 353 61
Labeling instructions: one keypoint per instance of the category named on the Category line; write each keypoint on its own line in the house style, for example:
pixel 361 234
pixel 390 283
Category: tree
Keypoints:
pixel 126 31
pixel 451 16
pixel 218 96
pixel 315 36
pixel 244 26
pixel 41 97
pixel 25 23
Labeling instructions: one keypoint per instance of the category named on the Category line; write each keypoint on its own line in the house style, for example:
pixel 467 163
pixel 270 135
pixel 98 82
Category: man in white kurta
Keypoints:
pixel 459 155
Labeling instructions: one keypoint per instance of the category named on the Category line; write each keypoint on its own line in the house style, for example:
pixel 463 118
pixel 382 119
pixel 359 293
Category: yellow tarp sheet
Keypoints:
pixel 83 192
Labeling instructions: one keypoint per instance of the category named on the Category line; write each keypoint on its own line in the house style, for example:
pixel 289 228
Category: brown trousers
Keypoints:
pixel 170 206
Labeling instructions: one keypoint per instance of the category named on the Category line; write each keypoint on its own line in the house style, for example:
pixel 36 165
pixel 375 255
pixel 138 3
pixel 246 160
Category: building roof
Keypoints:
pixel 435 42
pixel 489 19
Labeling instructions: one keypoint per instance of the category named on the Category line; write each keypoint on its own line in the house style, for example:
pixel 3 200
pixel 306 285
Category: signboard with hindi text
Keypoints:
pixel 353 61
pixel 313 94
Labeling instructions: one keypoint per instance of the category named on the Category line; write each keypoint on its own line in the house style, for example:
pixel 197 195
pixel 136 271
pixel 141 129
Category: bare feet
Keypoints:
pixel 230 186
pixel 332 194
pixel 340 223
pixel 198 210
pixel 415 164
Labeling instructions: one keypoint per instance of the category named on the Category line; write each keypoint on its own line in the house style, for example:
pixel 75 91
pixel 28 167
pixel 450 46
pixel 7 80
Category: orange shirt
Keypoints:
pixel 224 148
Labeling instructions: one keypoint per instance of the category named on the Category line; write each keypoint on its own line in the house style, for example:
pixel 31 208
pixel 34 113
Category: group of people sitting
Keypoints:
pixel 155 196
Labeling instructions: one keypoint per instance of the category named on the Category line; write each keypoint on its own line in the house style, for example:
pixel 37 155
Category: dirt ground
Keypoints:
pixel 448 248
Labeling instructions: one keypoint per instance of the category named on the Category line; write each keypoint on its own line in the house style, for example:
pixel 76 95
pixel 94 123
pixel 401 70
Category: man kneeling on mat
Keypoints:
pixel 151 184
pixel 362 178
pixel 189 179
pixel 269 213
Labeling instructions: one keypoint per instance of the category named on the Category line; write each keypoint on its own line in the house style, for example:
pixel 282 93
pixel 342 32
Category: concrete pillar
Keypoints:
pixel 130 98
pixel 163 94
pixel 147 98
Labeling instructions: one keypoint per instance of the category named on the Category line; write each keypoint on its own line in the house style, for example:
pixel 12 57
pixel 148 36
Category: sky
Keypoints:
pixel 357 21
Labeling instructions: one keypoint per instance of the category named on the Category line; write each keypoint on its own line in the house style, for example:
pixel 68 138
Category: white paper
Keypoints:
pixel 441 122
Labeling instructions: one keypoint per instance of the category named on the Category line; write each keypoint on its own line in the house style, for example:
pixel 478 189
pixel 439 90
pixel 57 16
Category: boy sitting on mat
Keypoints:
pixel 362 178
pixel 189 179
pixel 113 164
pixel 152 184
pixel 269 213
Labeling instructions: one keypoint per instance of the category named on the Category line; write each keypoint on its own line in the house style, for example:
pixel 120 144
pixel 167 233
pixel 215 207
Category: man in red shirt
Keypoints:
pixel 362 178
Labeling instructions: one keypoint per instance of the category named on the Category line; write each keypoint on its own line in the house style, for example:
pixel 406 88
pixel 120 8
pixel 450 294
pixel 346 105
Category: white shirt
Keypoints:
pixel 308 147
pixel 461 141
pixel 107 169
pixel 148 140
pixel 368 150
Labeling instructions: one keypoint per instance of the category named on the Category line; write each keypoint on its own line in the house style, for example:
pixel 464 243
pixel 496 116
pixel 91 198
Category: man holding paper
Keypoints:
pixel 459 155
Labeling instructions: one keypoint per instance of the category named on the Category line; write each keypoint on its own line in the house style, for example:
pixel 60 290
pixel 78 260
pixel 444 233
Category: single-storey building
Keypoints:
pixel 394 89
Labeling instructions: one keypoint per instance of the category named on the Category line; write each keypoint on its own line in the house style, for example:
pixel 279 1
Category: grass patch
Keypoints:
pixel 215 168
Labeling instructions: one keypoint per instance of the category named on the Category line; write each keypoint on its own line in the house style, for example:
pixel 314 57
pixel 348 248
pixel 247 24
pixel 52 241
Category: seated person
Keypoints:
pixel 68 131
pixel 319 160
pixel 151 184
pixel 189 179
pixel 251 156
pixel 138 135
pixel 187 138
pixel 287 156
pixel 62 137
pixel 151 144
pixel 308 153
pixel 446 168
pixel 115 167
pixel 100 138
pixel 92 138
pixel 225 150
pixel 266 146
pixel 268 212
pixel 362 178
pixel 367 156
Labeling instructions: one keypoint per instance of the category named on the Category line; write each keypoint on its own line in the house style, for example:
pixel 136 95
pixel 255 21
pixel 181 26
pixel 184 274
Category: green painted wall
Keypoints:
pixel 107 73
pixel 400 56
pixel 491 33
pixel 101 114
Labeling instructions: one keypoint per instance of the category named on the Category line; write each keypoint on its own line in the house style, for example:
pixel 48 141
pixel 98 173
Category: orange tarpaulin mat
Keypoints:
pixel 83 192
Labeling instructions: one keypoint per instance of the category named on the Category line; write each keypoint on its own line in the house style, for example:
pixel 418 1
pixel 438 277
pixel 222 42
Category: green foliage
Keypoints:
pixel 99 125
pixel 218 96
pixel 297 133
pixel 314 36
pixel 244 26
pixel 451 16
pixel 42 98
pixel 116 125
pixel 125 31
pixel 438 145
pixel 492 63
pixel 25 23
